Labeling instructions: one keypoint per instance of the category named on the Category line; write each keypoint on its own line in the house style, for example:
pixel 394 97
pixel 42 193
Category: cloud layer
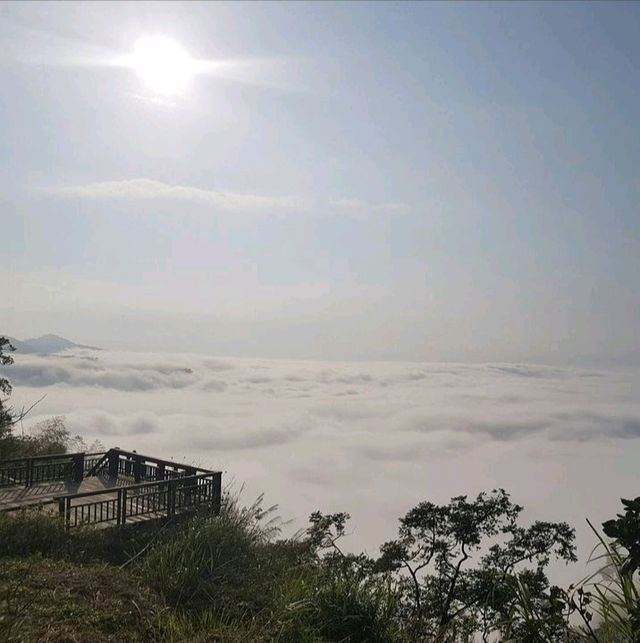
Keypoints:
pixel 148 189
pixel 143 189
pixel 498 402
pixel 371 438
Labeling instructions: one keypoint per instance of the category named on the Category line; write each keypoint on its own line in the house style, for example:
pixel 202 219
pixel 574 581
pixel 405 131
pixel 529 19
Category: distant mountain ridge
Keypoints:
pixel 47 345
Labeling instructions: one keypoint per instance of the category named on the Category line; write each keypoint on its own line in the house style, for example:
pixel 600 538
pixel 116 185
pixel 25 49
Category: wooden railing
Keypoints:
pixel 164 498
pixel 26 472
pixel 160 487
pixel 92 463
pixel 141 467
pixel 114 463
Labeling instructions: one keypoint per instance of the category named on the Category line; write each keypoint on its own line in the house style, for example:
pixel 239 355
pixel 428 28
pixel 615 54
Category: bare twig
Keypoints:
pixel 24 412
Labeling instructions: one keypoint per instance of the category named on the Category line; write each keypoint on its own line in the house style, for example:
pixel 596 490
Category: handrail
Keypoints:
pixel 131 454
pixel 33 470
pixel 53 456
pixel 129 487
pixel 29 505
pixel 167 498
pixel 170 463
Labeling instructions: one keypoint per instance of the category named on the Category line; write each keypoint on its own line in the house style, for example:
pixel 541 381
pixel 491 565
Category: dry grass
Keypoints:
pixel 45 600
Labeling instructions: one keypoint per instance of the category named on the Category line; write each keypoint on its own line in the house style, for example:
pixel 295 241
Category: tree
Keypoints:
pixel 51 436
pixel 450 598
pixel 48 436
pixel 604 607
pixel 6 417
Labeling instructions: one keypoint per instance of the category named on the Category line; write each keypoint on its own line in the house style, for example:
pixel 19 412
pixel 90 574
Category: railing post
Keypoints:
pixel 29 473
pixel 114 458
pixel 186 489
pixel 123 515
pixel 67 512
pixel 61 507
pixel 171 498
pixel 216 500
pixel 162 486
pixel 77 468
pixel 137 469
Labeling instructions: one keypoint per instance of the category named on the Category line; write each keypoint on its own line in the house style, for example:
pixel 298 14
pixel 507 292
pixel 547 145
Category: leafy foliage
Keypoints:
pixel 447 595
pixel 6 417
pixel 47 437
pixel 625 531
pixel 231 578
pixel 604 607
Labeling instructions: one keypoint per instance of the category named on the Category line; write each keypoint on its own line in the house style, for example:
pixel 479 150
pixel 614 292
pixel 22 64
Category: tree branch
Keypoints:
pixel 24 412
pixel 444 618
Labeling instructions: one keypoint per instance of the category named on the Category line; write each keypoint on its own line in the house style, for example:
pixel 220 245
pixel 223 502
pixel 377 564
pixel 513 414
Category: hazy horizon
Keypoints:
pixel 630 360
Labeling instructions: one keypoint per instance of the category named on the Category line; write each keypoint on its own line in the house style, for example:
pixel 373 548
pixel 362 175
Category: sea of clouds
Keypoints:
pixel 372 439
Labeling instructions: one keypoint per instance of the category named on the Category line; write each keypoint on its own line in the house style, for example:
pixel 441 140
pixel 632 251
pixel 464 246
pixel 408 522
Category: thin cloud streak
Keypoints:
pixel 360 206
pixel 141 189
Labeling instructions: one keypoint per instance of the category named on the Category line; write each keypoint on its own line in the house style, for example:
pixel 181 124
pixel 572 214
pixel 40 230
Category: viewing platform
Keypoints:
pixel 113 487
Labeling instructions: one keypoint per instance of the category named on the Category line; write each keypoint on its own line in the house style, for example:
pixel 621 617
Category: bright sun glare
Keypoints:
pixel 164 66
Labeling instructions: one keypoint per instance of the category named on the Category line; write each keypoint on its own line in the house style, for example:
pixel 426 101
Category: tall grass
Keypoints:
pixel 613 596
pixel 229 574
pixel 39 531
pixel 32 531
pixel 604 607
pixel 349 606
pixel 217 562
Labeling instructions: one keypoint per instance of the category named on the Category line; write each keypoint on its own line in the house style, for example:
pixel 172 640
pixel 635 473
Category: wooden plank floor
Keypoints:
pixel 14 497
pixel 43 494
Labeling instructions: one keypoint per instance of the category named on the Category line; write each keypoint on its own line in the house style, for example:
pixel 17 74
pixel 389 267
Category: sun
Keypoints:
pixel 163 65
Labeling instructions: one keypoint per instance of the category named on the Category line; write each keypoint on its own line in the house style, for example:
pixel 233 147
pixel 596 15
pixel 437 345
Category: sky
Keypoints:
pixel 338 181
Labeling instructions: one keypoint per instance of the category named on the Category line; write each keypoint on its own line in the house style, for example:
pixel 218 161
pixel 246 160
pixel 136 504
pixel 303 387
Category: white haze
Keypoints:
pixel 372 439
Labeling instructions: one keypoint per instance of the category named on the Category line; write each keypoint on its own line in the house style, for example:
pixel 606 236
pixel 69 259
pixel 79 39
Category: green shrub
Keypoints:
pixel 354 607
pixel 32 531
pixel 212 562
pixel 39 531
pixel 224 562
